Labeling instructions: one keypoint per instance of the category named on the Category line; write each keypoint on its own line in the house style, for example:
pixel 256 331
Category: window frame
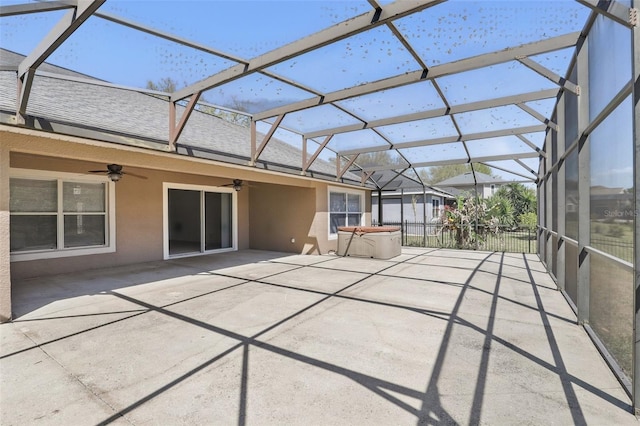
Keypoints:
pixel 435 207
pixel 345 191
pixel 61 251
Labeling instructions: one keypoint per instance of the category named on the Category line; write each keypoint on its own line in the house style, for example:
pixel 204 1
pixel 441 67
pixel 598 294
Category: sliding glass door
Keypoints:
pixel 198 220
pixel 217 220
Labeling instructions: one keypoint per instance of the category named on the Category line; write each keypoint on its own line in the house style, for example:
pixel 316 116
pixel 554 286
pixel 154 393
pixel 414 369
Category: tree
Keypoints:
pixel 370 159
pixel 228 114
pixel 463 221
pixel 501 208
pixel 169 85
pixel 380 158
pixel 439 173
pixel 522 199
pixel 528 219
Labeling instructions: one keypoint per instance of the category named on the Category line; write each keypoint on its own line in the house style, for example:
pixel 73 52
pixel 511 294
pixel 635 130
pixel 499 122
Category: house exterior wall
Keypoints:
pixel 283 218
pixel 392 206
pixel 5 266
pixel 483 190
pixel 281 206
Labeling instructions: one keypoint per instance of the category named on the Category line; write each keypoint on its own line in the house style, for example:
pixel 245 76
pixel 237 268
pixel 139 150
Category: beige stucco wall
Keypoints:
pixel 271 200
pixel 5 278
pixel 280 214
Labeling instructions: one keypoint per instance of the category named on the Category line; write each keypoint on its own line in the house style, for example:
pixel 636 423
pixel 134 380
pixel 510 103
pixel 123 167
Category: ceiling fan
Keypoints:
pixel 237 184
pixel 114 172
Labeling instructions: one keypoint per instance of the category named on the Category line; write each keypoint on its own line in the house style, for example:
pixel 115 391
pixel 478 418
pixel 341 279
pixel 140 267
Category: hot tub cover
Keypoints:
pixel 368 229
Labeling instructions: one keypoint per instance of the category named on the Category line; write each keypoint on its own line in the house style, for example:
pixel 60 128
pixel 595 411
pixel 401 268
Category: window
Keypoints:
pixel 436 208
pixel 57 215
pixel 345 209
pixel 493 189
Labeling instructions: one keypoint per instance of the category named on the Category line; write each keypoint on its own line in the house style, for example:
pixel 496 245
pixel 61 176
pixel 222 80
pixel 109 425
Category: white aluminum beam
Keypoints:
pixel 535 114
pixel 256 150
pixel 197 46
pixel 374 4
pixel 175 129
pixel 365 176
pixel 315 41
pixel 26 8
pixel 396 166
pixel 462 65
pixel 505 157
pixel 449 139
pixel 440 112
pixel 623 94
pixel 70 22
pixel 167 36
pixel 527 168
pixel 635 338
pixel 511 171
pixel 550 75
pixel 611 9
pixel 454 161
pixel 60 32
pixel 340 171
pixel 307 164
pixel 533 146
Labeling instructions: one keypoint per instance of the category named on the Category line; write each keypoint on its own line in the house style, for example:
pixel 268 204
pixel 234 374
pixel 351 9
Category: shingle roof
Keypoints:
pixel 126 115
pixel 11 59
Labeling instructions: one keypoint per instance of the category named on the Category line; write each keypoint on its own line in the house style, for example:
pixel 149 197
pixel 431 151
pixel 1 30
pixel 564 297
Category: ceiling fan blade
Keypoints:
pixel 98 171
pixel 134 175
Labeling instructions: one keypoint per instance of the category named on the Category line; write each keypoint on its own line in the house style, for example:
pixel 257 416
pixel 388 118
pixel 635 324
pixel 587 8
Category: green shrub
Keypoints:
pixel 528 219
pixel 615 231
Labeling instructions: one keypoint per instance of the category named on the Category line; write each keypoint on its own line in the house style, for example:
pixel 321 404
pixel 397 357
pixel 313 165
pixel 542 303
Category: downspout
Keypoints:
pixel 379 206
pixel 424 216
pixel 402 215
pixel 475 188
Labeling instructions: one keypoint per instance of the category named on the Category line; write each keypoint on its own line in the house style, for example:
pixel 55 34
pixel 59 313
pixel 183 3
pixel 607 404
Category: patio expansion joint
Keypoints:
pixel 48 342
pixel 77 379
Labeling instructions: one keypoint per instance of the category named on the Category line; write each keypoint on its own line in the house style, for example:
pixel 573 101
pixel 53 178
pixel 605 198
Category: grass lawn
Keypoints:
pixel 613 238
pixel 521 241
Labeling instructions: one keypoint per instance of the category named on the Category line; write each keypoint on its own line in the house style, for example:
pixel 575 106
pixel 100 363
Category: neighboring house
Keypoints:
pixel 611 203
pixel 61 218
pixel 464 184
pixel 409 205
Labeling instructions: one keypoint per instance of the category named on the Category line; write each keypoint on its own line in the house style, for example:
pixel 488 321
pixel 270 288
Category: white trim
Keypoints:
pixel 343 190
pixel 166 186
pixel 110 222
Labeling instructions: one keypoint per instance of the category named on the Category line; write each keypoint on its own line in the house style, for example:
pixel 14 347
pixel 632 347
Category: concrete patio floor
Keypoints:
pixel 431 337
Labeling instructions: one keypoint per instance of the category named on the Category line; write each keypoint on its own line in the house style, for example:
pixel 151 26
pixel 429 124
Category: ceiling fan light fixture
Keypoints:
pixel 114 176
pixel 236 185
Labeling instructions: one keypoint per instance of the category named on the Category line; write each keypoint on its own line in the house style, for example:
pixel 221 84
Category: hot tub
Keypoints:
pixel 378 242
